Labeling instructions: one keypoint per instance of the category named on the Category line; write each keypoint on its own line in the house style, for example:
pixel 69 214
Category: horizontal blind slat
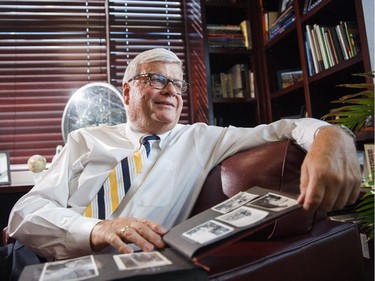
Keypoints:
pixel 49 49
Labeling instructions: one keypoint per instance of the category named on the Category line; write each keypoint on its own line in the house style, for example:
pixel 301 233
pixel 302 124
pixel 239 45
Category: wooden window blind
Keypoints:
pixel 49 49
pixel 136 26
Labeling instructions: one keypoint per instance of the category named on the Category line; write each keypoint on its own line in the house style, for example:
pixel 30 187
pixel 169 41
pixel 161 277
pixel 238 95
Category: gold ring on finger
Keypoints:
pixel 125 228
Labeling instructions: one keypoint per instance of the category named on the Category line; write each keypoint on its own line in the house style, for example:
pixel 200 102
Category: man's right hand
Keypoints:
pixel 119 232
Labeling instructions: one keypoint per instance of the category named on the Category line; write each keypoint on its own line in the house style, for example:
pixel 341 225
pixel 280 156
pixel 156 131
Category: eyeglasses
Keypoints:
pixel 158 81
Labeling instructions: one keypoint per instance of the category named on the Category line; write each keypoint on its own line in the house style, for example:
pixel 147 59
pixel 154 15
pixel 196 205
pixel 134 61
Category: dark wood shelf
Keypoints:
pixel 14 188
pixel 285 91
pixel 365 135
pixel 229 51
pixel 336 68
pixel 281 36
pixel 219 4
pixel 288 51
pixel 233 100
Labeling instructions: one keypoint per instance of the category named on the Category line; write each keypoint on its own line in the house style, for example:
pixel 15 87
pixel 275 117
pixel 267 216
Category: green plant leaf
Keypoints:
pixel 357 86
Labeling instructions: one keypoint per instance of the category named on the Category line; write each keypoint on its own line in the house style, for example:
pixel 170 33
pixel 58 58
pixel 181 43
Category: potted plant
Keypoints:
pixel 357 113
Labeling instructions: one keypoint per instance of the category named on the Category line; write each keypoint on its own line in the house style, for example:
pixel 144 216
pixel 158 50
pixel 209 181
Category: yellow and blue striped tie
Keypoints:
pixel 118 182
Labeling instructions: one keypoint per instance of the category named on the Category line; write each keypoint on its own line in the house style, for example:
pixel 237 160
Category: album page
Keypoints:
pixel 237 217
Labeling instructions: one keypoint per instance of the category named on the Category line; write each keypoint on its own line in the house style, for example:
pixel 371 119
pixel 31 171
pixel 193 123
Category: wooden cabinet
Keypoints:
pixel 287 52
pixel 229 62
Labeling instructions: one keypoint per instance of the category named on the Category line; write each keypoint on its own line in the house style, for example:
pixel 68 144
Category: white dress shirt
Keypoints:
pixel 49 218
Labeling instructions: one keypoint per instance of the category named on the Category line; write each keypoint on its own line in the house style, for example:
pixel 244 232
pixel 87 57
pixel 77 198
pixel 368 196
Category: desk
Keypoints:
pixel 9 194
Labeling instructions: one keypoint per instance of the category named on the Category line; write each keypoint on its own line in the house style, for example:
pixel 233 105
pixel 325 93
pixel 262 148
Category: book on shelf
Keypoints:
pixel 285 19
pixel 322 45
pixel 269 19
pixel 237 85
pixel 246 31
pixel 310 64
pixel 309 5
pixel 252 85
pixel 188 243
pixel 225 36
pixel 352 34
pixel 312 59
pixel 237 82
pixel 327 46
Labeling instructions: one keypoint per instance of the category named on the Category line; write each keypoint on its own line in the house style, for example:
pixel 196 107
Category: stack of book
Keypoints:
pixel 237 82
pixel 225 36
pixel 327 46
pixel 285 19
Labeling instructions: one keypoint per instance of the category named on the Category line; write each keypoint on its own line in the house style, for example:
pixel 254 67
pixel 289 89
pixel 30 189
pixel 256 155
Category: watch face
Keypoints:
pixel 94 104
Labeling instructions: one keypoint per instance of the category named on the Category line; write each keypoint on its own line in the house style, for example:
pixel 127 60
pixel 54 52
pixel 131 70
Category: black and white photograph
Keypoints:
pixel 140 260
pixel 274 202
pixel 207 231
pixel 4 168
pixel 73 269
pixel 234 202
pixel 243 216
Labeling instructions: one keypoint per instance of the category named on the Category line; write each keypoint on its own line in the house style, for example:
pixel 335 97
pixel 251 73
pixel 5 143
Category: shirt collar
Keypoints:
pixel 135 136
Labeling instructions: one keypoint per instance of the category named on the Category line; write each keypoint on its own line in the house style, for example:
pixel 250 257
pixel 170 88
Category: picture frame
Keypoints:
pixel 288 77
pixel 4 168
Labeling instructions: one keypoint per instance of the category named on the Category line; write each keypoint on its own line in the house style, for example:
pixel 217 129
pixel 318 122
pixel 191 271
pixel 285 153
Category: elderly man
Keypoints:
pixel 61 217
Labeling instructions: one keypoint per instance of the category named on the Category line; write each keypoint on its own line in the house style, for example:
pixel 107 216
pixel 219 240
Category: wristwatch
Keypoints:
pixel 348 131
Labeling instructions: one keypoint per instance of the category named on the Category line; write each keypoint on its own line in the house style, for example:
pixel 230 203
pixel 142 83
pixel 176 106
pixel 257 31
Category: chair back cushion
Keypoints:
pixel 275 166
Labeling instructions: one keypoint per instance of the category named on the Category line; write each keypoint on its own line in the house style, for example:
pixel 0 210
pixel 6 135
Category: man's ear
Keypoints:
pixel 126 93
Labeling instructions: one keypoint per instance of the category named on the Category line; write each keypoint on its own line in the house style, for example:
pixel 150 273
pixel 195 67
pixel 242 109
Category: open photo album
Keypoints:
pixel 239 216
pixel 198 237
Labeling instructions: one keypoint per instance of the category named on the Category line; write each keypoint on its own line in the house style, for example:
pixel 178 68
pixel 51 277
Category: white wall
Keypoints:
pixel 369 11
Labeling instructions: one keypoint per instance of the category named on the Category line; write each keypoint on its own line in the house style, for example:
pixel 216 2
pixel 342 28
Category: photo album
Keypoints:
pixel 200 236
pixel 237 217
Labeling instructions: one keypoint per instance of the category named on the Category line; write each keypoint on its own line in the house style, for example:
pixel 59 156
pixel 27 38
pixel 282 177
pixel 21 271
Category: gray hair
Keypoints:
pixel 157 54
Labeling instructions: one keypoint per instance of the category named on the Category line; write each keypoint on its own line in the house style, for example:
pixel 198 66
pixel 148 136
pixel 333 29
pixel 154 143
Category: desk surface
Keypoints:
pixel 21 182
pixel 15 188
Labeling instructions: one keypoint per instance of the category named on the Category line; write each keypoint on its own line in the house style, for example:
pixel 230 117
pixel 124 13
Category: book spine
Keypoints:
pixel 322 47
pixel 310 62
pixel 313 49
pixel 336 43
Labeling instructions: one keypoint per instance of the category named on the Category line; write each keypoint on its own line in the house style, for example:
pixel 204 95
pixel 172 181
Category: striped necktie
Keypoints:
pixel 119 181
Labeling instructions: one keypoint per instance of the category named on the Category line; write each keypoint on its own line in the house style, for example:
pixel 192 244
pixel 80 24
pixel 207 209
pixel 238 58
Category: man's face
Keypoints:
pixel 154 111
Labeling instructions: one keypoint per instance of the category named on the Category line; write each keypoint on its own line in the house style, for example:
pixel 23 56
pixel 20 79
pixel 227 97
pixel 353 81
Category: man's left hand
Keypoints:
pixel 330 173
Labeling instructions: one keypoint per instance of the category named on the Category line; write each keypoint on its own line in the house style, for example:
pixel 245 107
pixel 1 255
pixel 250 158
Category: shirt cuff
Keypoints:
pixel 79 235
pixel 305 131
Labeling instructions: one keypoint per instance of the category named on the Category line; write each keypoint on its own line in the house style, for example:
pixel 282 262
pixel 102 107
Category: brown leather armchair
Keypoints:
pixel 295 247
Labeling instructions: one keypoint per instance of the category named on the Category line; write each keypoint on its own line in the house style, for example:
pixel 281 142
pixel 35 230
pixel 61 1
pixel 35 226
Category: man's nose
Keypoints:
pixel 170 88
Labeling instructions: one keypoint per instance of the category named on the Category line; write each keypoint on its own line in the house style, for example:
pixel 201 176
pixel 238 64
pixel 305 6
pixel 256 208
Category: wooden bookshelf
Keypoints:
pixel 288 50
pixel 311 96
pixel 229 107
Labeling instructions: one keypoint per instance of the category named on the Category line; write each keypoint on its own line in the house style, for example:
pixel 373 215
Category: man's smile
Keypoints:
pixel 164 103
